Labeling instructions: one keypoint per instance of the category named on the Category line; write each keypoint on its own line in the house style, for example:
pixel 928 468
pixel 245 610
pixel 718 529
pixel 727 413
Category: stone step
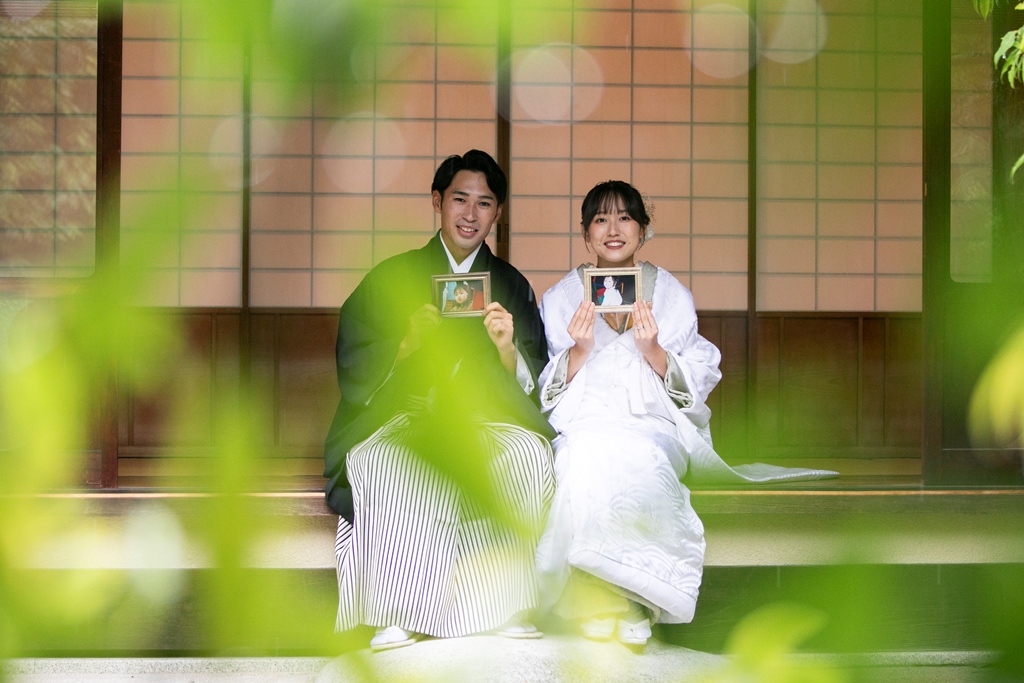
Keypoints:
pixel 751 527
pixel 892 570
pixel 554 659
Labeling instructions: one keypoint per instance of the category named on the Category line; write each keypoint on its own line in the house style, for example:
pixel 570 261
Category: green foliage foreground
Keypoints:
pixel 56 353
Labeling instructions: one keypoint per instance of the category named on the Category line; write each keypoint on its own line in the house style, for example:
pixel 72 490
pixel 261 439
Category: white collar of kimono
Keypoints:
pixel 467 263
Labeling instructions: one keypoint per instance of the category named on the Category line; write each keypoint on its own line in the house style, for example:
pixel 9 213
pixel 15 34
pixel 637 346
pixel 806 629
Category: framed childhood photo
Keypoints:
pixel 464 295
pixel 612 290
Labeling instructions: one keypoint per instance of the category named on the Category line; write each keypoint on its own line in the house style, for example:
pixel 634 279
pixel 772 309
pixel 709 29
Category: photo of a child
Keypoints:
pixel 612 289
pixel 610 293
pixel 462 295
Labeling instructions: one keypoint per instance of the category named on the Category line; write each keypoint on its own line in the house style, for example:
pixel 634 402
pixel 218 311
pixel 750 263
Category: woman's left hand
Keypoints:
pixel 645 336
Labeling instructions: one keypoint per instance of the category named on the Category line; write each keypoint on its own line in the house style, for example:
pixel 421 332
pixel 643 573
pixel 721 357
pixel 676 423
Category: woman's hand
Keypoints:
pixel 645 336
pixel 581 329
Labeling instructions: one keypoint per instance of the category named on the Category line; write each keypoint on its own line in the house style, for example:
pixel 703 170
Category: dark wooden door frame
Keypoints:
pixel 503 115
pixel 937 54
pixel 109 35
pixel 752 324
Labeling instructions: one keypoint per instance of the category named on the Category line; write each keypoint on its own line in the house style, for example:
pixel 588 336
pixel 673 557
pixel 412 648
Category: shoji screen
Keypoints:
pixel 654 93
pixel 971 238
pixel 47 139
pixel 181 164
pixel 339 185
pixel 839 155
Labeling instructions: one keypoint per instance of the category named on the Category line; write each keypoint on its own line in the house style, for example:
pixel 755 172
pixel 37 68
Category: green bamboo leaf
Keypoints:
pixel 1004 46
pixel 983 7
pixel 1017 164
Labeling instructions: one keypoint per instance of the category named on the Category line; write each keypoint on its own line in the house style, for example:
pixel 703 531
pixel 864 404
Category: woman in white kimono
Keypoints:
pixel 623 548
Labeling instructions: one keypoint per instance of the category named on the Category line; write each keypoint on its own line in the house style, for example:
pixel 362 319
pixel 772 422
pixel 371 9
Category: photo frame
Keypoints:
pixel 624 290
pixel 447 291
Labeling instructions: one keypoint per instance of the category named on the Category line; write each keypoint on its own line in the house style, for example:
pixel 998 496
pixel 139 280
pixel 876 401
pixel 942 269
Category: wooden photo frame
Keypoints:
pixel 615 296
pixel 461 296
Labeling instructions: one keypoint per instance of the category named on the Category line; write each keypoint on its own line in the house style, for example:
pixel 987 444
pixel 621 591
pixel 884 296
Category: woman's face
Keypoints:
pixel 461 295
pixel 609 282
pixel 614 236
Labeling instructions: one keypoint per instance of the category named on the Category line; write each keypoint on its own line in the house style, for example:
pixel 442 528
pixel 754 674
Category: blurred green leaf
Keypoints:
pixel 1016 165
pixel 774 630
pixel 996 414
pixel 762 645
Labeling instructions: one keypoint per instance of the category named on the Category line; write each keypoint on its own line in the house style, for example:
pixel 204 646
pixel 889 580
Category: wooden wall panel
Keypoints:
pixel 729 423
pixel 904 383
pixel 818 382
pixel 308 387
pixel 177 410
pixel 828 386
pixel 766 429
pixel 871 404
pixel 226 362
pixel 264 375
pixel 195 380
pixel 710 327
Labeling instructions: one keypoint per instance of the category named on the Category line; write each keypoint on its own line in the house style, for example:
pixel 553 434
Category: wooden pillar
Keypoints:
pixel 108 208
pixel 503 143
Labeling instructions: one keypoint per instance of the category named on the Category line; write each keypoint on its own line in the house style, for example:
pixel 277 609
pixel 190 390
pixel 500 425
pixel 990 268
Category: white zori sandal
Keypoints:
pixel 634 633
pixel 518 627
pixel 598 628
pixel 393 636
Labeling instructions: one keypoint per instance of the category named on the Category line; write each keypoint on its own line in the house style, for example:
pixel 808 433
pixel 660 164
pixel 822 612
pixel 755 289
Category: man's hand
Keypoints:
pixel 422 322
pixel 645 336
pixel 581 329
pixel 500 328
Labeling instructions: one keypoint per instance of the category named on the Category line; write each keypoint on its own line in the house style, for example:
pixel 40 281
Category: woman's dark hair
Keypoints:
pixel 605 198
pixel 473 160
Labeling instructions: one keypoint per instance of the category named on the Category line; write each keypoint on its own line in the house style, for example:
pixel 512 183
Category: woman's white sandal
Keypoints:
pixel 598 629
pixel 634 633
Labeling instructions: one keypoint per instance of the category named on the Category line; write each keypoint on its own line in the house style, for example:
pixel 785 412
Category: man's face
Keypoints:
pixel 468 209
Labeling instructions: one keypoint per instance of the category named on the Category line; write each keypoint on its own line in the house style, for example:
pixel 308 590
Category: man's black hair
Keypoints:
pixel 473 160
pixel 605 198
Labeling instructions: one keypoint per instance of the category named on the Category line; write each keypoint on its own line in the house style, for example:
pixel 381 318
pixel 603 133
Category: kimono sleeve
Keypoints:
pixel 695 359
pixel 529 330
pixel 368 341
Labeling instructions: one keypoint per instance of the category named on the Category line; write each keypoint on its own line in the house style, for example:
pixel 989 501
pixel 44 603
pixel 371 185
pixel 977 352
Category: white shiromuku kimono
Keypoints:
pixel 626 438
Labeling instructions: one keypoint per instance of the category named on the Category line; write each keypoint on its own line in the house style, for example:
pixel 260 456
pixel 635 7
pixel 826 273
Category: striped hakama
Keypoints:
pixel 419 554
